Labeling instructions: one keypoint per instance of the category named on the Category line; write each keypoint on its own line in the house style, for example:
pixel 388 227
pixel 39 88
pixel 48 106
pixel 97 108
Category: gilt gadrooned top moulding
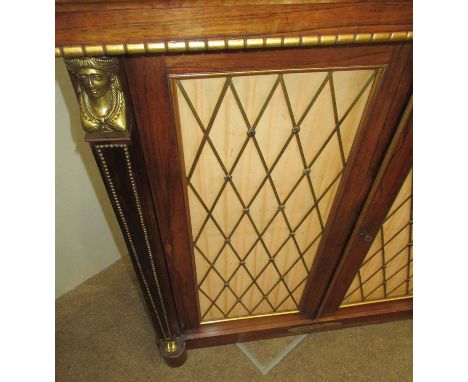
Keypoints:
pixel 230 43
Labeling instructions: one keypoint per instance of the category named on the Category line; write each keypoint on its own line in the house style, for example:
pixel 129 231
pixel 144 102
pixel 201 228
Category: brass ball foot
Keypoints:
pixel 173 352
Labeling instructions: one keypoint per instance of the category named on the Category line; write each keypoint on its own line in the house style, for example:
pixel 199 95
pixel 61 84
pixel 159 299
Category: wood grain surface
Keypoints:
pixel 392 174
pixel 376 131
pixel 147 79
pixel 278 326
pixel 137 22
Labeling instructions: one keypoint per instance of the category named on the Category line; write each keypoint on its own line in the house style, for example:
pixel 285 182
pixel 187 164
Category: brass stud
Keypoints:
pixel 307 171
pixel 345 39
pixel 296 129
pixel 228 177
pixel 196 45
pixel 135 48
pixel 310 40
pixel 398 36
pixel 251 132
pixel 363 37
pixel 115 49
pixel 235 43
pixel 382 36
pixel 281 207
pixel 73 51
pixel 94 50
pixel 246 210
pixel 176 46
pixel 273 42
pixel 291 41
pixel 254 43
pixel 216 44
pixel 156 47
pixel 327 39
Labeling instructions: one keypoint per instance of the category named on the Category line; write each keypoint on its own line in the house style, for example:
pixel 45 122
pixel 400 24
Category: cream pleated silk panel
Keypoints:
pixel 264 154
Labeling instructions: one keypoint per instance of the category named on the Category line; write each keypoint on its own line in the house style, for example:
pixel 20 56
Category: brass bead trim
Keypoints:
pixel 121 215
pixel 249 317
pixel 376 301
pixel 230 43
pixel 145 231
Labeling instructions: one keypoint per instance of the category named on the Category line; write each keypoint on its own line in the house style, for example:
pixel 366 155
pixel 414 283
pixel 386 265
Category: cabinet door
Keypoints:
pixel 260 164
pixel 377 265
pixel 387 272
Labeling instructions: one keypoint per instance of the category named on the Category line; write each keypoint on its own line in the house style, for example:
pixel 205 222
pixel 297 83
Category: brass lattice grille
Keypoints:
pixel 264 154
pixel 387 270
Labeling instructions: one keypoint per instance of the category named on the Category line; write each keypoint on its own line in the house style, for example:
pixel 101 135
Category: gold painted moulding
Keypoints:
pixel 229 44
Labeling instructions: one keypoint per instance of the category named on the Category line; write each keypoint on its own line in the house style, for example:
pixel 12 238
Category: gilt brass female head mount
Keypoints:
pixel 99 93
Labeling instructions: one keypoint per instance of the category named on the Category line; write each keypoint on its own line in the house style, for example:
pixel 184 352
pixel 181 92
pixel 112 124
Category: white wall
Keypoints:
pixel 87 236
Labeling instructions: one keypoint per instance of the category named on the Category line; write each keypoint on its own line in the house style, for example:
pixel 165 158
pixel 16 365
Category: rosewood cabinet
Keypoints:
pixel 258 157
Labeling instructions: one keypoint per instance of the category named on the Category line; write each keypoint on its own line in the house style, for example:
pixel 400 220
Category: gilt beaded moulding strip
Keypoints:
pixel 166 334
pixel 230 43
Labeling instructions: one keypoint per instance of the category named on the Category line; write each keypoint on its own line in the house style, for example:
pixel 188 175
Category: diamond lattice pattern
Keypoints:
pixel 387 270
pixel 263 156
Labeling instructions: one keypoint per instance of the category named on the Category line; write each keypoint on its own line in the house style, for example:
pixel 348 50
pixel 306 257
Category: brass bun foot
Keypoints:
pixel 173 352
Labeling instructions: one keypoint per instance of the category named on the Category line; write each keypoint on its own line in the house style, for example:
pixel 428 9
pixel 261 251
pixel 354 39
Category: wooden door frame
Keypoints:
pixel 151 98
pixel 375 133
pixel 392 174
pixel 394 169
pixel 296 323
pixel 149 89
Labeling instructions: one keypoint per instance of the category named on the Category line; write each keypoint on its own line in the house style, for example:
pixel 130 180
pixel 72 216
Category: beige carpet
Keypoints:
pixel 104 334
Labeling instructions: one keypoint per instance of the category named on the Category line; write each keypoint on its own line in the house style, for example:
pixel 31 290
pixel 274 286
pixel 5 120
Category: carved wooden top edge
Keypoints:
pixel 218 44
pixel 165 4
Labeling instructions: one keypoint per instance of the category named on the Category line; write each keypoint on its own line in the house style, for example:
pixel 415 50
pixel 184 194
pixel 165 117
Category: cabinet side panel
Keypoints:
pixel 150 95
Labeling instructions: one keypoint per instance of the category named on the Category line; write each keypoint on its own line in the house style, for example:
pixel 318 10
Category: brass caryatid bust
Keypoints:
pixel 99 92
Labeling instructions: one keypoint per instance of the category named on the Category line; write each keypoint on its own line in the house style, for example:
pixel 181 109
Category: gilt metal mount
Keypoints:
pixel 98 86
